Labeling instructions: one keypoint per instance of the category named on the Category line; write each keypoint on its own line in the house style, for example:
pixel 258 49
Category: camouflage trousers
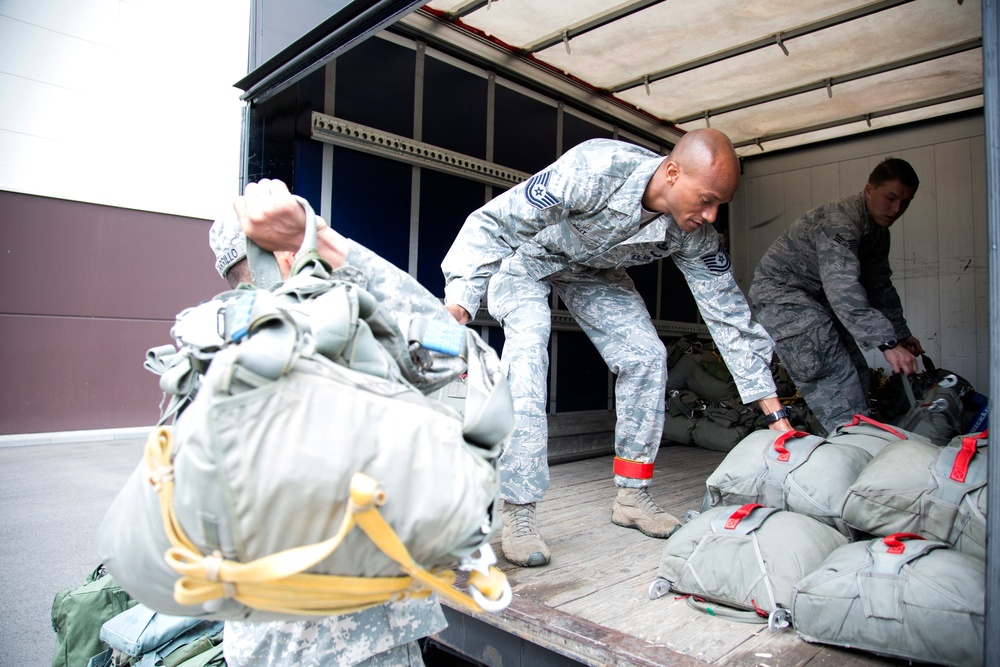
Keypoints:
pixel 610 311
pixel 823 360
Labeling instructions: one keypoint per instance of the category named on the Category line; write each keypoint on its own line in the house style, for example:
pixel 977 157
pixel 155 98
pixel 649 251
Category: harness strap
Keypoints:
pixel 278 583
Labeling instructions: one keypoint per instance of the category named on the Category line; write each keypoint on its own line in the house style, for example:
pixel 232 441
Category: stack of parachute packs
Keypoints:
pixel 915 486
pixel 307 473
pixel 898 595
pixel 747 557
pixel 796 471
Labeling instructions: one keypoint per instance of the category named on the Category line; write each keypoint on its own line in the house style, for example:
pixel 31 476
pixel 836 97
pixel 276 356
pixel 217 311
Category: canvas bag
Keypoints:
pixel 789 470
pixel 745 557
pixel 868 434
pixel 304 426
pixel 78 614
pixel 917 487
pixel 900 596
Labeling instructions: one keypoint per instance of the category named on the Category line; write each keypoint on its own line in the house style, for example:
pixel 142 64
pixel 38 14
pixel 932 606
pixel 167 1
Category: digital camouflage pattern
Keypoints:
pixel 382 636
pixel 574 227
pixel 822 289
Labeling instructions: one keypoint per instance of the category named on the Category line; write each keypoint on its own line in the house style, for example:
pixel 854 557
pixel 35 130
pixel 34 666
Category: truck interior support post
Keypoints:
pixel 991 96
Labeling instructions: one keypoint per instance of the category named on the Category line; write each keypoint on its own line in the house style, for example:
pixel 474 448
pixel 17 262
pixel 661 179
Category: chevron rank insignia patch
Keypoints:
pixel 718 261
pixel 537 194
pixel 850 244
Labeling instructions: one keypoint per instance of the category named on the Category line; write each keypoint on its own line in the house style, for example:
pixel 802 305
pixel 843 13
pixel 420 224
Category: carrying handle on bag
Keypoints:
pixel 877 424
pixel 964 457
pixel 740 514
pixel 895 541
pixel 779 443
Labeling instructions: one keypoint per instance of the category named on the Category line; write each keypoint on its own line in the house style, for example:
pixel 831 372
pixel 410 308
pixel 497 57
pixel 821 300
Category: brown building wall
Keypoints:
pixel 86 290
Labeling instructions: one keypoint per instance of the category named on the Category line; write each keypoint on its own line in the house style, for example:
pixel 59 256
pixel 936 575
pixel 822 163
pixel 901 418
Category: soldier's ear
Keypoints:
pixel 672 172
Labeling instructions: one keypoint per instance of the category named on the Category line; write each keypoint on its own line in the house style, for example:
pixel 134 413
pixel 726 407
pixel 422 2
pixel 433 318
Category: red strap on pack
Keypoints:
pixel 964 457
pixel 779 443
pixel 895 541
pixel 633 469
pixel 740 514
pixel 885 427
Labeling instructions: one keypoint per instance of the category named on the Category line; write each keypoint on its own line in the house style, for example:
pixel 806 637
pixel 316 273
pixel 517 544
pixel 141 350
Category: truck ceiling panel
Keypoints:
pixel 907 87
pixel 759 69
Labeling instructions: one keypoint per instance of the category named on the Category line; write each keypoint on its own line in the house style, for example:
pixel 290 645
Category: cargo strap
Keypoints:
pixel 877 424
pixel 958 472
pixel 279 583
pixel 633 469
pixel 782 460
pixel 881 587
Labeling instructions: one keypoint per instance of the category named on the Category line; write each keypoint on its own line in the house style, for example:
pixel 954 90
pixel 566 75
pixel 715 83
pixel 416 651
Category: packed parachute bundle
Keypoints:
pixel 745 557
pixel 898 595
pixel 307 473
pixel 917 487
pixel 792 470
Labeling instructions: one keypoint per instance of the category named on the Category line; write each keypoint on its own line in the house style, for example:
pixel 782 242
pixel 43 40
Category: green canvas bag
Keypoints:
pixel 900 596
pixel 78 614
pixel 914 486
pixel 747 557
pixel 792 471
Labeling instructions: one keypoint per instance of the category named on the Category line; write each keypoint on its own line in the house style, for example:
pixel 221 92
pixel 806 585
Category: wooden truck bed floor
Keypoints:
pixel 591 603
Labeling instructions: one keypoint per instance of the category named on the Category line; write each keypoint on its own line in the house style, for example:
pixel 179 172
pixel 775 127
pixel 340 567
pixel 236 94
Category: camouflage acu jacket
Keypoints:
pixel 834 257
pixel 584 210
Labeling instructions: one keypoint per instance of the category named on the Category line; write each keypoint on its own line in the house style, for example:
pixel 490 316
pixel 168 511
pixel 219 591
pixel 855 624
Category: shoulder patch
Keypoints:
pixel 718 261
pixel 537 194
pixel 850 244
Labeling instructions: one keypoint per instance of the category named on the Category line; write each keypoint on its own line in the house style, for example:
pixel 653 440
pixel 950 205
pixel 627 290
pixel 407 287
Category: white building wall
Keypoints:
pixel 938 254
pixel 127 103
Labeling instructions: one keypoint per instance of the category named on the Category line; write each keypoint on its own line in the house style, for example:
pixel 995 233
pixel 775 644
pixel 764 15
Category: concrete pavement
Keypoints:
pixel 54 491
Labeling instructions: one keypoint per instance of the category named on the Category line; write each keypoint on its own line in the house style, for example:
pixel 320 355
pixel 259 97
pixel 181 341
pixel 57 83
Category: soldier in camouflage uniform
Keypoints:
pixel 573 228
pixel 824 287
pixel 382 636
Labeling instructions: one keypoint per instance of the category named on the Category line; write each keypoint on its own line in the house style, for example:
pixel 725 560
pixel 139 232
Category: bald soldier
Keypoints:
pixel 573 228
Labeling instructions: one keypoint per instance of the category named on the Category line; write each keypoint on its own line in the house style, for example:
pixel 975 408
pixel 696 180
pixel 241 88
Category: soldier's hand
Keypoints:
pixel 271 216
pixel 902 360
pixel 460 314
pixel 913 345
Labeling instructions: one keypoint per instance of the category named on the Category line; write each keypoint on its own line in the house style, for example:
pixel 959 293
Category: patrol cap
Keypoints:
pixel 228 242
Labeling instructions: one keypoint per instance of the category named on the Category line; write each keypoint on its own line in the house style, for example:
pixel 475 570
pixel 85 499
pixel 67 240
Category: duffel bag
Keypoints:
pixel 900 596
pixel 306 475
pixel 914 486
pixel 792 471
pixel 748 557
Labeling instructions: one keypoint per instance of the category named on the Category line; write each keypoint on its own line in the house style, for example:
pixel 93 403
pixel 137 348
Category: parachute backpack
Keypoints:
pixel 297 419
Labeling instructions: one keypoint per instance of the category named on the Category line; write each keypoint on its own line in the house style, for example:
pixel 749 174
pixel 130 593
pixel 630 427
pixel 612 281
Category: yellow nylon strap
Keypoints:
pixel 277 583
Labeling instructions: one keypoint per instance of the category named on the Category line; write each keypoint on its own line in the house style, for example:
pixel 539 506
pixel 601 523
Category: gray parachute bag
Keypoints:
pixel 869 434
pixel 917 487
pixel 305 474
pixel 792 471
pixel 748 558
pixel 899 596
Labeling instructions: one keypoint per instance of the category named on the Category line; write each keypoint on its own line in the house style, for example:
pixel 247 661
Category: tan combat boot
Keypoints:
pixel 522 545
pixel 635 508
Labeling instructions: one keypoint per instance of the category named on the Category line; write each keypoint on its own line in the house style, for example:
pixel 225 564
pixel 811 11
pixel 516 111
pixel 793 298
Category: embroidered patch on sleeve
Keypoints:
pixel 537 194
pixel 718 261
pixel 850 244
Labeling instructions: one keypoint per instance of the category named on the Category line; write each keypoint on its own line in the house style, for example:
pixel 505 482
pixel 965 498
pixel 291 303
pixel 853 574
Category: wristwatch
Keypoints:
pixel 777 415
pixel 888 345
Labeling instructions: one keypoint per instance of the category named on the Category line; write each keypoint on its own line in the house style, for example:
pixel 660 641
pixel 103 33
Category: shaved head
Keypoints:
pixel 709 151
pixel 701 174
